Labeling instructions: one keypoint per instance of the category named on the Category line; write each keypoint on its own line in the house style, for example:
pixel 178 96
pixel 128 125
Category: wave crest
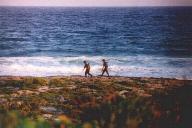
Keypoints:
pixel 142 66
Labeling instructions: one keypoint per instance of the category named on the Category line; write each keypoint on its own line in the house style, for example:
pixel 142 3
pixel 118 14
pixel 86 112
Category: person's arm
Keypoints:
pixel 84 68
pixel 103 68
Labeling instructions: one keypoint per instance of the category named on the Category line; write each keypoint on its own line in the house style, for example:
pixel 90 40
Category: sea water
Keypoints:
pixel 136 41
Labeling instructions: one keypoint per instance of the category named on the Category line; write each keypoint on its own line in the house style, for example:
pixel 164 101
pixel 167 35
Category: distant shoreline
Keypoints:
pixel 134 6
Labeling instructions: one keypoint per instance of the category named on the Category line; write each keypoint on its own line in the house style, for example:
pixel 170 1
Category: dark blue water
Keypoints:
pixel 144 41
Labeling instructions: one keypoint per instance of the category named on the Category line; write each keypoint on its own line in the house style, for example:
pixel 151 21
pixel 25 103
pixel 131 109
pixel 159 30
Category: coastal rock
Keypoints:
pixel 71 87
pixel 47 116
pixel 48 109
pixel 1 96
pixel 123 93
pixel 51 110
pixel 56 88
pixel 62 99
pixel 43 89
pixel 26 92
pixel 14 95
pixel 3 100
pixel 144 95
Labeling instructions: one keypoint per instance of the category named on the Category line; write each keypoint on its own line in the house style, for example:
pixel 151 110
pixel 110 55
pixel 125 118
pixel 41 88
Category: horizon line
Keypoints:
pixel 95 6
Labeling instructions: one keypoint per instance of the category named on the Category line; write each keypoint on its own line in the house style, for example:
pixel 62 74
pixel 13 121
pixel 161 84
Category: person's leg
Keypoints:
pixel 90 74
pixel 107 72
pixel 102 72
pixel 85 73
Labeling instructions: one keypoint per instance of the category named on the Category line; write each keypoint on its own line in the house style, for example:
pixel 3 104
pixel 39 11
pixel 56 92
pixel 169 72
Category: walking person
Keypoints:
pixel 87 69
pixel 105 68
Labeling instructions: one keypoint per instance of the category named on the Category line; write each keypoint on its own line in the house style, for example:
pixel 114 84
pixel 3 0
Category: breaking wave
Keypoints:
pixel 136 66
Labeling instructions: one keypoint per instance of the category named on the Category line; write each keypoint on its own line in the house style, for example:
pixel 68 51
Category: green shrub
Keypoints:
pixel 58 82
pixel 34 82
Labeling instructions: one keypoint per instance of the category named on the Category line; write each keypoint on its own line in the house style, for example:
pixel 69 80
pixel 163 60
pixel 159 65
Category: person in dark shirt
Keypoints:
pixel 87 69
pixel 105 68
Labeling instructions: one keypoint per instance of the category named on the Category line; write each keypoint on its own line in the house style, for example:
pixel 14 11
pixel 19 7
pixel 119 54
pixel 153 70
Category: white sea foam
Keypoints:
pixel 144 66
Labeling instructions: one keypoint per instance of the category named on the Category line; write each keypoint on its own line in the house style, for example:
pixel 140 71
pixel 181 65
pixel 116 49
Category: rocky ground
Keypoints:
pixel 106 102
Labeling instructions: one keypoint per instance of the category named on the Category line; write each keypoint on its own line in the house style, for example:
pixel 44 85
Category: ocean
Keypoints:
pixel 136 41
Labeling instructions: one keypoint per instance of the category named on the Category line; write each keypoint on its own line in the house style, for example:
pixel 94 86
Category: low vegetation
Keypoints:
pixel 99 102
